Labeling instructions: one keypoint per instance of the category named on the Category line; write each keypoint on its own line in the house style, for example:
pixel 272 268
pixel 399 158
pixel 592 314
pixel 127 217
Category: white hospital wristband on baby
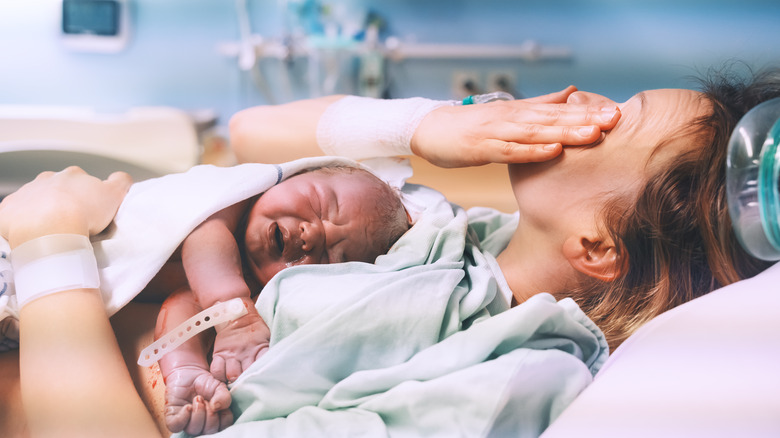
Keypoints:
pixel 211 317
pixel 362 127
pixel 51 264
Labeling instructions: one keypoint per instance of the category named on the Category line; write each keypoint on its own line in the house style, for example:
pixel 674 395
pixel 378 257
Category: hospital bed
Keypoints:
pixel 145 142
pixel 708 368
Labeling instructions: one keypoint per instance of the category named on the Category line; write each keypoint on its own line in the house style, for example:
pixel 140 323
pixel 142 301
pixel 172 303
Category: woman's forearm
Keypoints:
pixel 74 381
pixel 278 133
pixel 73 378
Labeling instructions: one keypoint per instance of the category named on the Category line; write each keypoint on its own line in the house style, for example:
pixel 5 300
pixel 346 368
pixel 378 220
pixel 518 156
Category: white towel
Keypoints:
pixel 157 214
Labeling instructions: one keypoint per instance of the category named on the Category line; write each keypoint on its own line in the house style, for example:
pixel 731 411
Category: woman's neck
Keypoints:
pixel 533 263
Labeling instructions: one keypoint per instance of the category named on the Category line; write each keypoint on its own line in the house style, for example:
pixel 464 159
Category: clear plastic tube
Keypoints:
pixel 752 178
pixel 488 97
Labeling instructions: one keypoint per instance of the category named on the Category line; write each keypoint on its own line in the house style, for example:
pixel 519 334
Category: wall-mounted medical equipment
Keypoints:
pixel 100 26
pixel 335 36
pixel 752 178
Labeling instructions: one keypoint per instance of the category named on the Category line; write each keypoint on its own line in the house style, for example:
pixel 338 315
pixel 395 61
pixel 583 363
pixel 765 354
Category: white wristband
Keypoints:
pixel 362 127
pixel 213 316
pixel 51 264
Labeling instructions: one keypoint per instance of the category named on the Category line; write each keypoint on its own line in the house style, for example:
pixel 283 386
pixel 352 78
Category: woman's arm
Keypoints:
pixel 450 136
pixel 280 133
pixel 73 378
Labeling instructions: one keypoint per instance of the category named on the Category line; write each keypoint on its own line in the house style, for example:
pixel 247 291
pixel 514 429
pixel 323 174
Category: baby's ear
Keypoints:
pixel 594 256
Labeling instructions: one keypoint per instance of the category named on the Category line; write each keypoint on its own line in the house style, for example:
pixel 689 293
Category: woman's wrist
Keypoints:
pixel 44 225
pixel 361 127
pixel 51 264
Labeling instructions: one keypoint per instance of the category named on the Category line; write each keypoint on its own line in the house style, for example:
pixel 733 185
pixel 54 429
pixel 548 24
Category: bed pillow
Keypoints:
pixel 708 368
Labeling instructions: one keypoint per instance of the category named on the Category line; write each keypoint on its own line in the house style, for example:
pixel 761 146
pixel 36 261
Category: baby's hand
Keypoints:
pixel 196 402
pixel 238 345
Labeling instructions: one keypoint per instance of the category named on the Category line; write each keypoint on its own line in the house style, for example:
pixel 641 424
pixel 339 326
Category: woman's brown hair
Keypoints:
pixel 675 238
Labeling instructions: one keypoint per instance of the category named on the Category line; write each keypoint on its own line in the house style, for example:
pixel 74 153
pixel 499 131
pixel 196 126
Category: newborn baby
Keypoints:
pixel 326 215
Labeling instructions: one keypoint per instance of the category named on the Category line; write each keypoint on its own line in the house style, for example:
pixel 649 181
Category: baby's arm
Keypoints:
pixel 195 401
pixel 212 262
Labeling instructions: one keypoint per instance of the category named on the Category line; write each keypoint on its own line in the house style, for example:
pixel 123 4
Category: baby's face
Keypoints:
pixel 312 218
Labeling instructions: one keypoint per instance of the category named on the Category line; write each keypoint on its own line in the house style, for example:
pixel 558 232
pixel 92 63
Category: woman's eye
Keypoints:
pixel 279 239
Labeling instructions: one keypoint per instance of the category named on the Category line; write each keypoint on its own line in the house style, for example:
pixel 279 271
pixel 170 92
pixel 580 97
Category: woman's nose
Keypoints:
pixel 586 98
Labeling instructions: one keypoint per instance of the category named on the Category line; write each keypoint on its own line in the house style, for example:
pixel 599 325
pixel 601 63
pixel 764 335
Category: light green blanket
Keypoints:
pixel 408 346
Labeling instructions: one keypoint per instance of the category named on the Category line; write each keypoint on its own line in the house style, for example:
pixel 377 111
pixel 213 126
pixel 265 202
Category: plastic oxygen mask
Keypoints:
pixel 752 178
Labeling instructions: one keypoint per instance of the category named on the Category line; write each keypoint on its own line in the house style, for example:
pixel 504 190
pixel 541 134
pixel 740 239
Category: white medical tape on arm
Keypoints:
pixel 51 264
pixel 214 315
pixel 362 127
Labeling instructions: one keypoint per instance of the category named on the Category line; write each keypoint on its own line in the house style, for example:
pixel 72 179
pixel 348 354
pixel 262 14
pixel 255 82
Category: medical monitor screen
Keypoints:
pixel 95 17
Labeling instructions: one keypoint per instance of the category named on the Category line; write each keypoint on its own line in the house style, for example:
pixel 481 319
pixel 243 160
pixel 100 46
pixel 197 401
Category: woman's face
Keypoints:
pixel 312 218
pixel 567 193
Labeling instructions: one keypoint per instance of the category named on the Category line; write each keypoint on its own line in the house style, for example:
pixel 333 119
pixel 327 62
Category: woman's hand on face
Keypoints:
pixel 519 131
pixel 70 201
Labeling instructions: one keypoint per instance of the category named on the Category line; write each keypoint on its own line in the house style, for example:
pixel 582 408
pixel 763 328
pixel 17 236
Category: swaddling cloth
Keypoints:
pixel 154 218
pixel 157 215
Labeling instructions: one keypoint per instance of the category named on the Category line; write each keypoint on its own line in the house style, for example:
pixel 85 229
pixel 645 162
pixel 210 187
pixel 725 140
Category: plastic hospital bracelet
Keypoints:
pixel 51 264
pixel 214 315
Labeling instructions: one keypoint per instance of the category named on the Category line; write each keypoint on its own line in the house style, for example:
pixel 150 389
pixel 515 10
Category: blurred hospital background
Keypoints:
pixel 207 59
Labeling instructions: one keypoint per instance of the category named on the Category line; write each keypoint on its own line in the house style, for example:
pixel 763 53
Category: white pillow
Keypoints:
pixel 708 368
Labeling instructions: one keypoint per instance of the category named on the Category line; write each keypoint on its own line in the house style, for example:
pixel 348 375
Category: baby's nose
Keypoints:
pixel 311 236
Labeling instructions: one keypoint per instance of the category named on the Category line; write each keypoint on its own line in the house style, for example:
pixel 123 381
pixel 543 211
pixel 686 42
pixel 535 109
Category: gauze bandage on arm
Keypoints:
pixel 362 127
pixel 51 264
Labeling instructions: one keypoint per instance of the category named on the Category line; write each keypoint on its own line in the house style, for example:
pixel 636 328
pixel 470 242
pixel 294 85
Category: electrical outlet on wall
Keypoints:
pixel 465 83
pixel 502 80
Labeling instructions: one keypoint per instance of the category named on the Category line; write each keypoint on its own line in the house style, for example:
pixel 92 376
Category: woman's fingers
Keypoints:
pixel 69 201
pixel 559 114
pixel 557 97
pixel 120 180
pixel 497 151
pixel 543 134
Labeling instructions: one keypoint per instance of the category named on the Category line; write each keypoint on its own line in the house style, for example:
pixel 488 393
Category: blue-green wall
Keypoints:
pixel 619 47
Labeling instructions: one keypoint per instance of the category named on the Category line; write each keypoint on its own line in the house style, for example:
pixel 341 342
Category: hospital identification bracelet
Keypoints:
pixel 214 315
pixel 51 264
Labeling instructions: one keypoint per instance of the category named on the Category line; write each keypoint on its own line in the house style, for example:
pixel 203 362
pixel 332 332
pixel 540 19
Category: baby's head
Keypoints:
pixel 320 216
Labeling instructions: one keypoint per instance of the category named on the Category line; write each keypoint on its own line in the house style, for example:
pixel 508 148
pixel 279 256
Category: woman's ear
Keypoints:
pixel 594 257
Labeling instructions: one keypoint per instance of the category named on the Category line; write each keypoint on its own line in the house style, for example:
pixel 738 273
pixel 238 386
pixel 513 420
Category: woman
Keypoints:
pixel 614 265
pixel 630 228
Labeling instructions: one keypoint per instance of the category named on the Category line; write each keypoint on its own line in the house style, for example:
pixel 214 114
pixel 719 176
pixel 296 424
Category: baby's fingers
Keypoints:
pixel 211 423
pixel 220 399
pixel 225 418
pixel 198 417
pixel 177 417
pixel 217 368
pixel 233 369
